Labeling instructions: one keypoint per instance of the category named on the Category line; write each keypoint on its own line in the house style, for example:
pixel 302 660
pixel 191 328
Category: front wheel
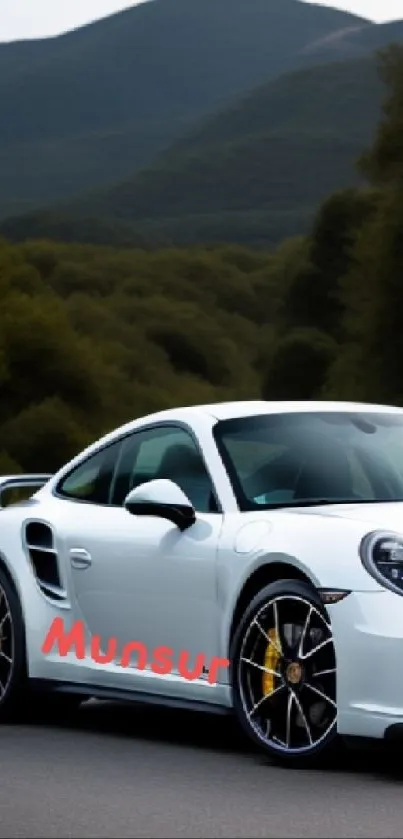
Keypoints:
pixel 284 674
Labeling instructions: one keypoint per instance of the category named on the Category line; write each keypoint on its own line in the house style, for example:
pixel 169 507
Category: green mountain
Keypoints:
pixel 255 173
pixel 93 106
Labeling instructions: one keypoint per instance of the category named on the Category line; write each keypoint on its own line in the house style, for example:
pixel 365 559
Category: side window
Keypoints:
pixel 164 452
pixel 91 480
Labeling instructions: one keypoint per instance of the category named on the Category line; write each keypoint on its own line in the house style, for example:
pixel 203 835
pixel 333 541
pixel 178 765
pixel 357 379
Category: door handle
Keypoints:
pixel 80 558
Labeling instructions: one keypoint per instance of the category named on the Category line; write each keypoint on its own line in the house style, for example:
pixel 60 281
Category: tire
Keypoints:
pixel 293 721
pixel 13 671
pixel 17 702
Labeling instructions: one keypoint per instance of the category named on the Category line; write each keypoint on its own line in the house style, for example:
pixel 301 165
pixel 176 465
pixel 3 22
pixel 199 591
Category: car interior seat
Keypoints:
pixel 184 466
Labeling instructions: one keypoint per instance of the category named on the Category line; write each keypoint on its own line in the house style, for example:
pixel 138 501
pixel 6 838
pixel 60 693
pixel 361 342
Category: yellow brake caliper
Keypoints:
pixel 271 660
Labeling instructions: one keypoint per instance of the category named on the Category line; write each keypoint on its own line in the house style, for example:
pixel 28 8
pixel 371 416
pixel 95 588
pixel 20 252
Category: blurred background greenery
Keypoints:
pixel 92 336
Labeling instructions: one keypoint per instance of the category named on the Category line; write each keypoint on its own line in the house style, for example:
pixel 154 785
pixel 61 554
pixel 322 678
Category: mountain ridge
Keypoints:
pixel 253 173
pixel 95 104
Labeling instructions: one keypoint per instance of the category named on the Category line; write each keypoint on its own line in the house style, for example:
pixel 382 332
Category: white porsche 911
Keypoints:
pixel 242 557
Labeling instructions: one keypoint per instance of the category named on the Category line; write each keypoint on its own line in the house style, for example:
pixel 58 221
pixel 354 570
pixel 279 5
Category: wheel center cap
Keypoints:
pixel 294 673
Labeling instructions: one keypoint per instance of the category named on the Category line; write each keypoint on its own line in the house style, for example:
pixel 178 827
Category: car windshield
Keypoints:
pixel 302 459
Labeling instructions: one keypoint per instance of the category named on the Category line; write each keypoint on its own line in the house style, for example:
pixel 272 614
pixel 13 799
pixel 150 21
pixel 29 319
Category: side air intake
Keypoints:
pixel 40 545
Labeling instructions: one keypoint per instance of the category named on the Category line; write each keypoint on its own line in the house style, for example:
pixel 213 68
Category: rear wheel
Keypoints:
pixel 17 701
pixel 284 674
pixel 13 679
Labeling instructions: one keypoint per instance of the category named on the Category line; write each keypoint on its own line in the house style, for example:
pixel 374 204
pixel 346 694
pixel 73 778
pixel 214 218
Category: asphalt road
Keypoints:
pixel 123 771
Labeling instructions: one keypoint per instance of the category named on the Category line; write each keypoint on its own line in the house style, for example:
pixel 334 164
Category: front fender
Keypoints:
pixel 326 553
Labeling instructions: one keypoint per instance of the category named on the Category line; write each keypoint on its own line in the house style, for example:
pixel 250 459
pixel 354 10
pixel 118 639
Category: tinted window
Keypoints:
pixel 169 453
pixel 285 459
pixel 91 480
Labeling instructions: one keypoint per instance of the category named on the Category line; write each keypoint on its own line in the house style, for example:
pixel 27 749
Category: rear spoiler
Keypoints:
pixel 21 481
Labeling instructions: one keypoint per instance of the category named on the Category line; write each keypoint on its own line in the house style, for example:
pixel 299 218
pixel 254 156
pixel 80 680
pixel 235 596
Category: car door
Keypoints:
pixel 139 578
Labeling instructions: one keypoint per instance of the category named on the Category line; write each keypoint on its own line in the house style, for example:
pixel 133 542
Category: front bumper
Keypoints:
pixel 368 634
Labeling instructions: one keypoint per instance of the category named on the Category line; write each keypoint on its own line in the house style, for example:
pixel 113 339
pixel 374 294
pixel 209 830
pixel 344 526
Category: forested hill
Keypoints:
pixel 254 171
pixel 93 336
pixel 92 106
pixel 253 174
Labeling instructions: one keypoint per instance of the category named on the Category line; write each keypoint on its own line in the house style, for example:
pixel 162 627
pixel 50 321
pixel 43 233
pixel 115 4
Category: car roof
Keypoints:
pixel 216 412
pixel 247 408
pixel 233 410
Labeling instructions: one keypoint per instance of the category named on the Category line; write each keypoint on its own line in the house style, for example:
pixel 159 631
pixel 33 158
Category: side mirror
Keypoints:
pixel 163 499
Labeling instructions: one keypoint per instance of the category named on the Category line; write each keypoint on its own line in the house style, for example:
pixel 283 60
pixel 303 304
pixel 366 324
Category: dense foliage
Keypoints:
pixel 93 336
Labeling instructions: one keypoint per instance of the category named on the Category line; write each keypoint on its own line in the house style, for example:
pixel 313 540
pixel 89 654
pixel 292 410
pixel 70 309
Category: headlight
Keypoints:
pixel 382 556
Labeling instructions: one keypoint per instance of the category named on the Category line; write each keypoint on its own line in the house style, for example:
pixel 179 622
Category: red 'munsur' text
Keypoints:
pixel 162 657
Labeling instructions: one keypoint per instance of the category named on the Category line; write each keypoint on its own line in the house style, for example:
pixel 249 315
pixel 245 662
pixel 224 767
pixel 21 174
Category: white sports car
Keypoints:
pixel 243 557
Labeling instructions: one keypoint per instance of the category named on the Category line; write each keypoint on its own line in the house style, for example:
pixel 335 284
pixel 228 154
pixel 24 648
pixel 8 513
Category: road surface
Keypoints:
pixel 122 771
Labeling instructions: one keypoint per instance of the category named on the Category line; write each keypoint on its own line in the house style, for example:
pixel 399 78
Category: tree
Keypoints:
pixel 382 164
pixel 312 299
pixel 370 367
pixel 299 365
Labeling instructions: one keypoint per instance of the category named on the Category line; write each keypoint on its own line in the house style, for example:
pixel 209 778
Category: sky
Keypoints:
pixel 21 19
